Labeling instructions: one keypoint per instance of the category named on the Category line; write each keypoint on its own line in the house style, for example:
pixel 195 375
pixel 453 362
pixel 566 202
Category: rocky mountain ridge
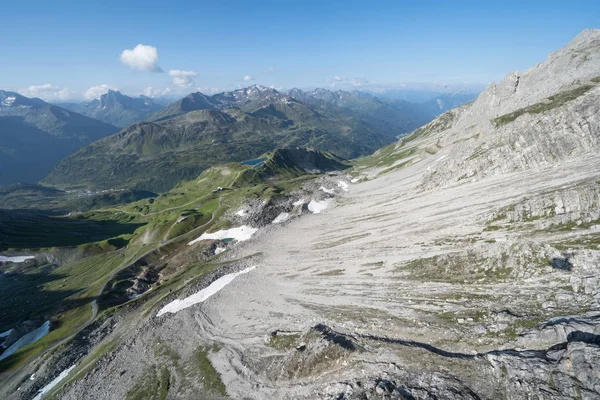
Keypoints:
pixel 116 109
pixel 199 131
pixel 36 135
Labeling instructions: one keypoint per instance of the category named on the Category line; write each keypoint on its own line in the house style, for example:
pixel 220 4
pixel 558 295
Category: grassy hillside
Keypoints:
pixel 85 262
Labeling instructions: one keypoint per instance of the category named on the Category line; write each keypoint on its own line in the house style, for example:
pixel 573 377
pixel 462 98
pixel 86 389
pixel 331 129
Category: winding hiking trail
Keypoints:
pixel 94 303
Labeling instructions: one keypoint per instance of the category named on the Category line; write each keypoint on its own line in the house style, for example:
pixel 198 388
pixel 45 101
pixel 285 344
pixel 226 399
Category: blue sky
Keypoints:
pixel 60 49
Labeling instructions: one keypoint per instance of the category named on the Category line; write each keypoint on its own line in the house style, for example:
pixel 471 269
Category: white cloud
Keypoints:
pixel 211 90
pixel 96 91
pixel 359 82
pixel 182 78
pixel 270 69
pixel 153 93
pixel 339 82
pixel 47 92
pixel 141 58
pixel 248 78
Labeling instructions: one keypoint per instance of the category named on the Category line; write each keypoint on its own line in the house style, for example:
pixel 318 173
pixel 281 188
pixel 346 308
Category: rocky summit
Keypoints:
pixel 116 109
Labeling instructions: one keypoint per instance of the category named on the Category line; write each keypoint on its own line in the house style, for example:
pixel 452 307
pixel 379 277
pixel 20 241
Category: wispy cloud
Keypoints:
pixel 339 82
pixel 182 78
pixel 358 82
pixel 48 92
pixel 153 92
pixel 96 91
pixel 248 78
pixel 209 90
pixel 270 69
pixel 141 58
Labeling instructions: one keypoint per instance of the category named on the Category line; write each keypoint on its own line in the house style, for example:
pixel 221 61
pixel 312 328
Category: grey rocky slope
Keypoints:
pixel 463 262
pixel 396 116
pixel 116 108
pixel 35 135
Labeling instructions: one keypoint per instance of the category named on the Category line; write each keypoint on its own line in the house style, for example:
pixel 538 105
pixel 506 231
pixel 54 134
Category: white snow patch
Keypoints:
pixel 240 234
pixel 441 158
pixel 136 295
pixel 178 305
pixel 54 382
pixel 5 334
pixel 219 250
pixel 298 202
pixel 281 218
pixel 343 185
pixel 354 180
pixel 328 191
pixel 316 206
pixel 241 213
pixel 16 259
pixel 28 338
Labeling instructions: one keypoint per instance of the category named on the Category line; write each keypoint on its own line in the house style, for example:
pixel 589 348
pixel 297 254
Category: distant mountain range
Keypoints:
pixel 395 117
pixel 116 109
pixel 199 131
pixel 35 135
pixel 185 137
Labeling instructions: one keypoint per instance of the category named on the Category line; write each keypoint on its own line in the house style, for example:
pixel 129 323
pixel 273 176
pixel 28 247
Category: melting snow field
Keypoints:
pixel 178 305
pixel 281 218
pixel 316 206
pixel 298 202
pixel 5 334
pixel 343 185
pixel 219 250
pixel 54 382
pixel 354 180
pixel 328 191
pixel 16 259
pixel 240 234
pixel 241 213
pixel 26 339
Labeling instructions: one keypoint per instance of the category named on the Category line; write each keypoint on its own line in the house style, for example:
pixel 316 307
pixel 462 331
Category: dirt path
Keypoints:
pixel 94 303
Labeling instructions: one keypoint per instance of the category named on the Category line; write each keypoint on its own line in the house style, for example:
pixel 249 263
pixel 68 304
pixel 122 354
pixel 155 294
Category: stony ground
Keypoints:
pixel 396 289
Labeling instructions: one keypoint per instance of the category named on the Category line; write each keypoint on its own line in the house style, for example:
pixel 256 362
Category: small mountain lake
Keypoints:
pixel 257 162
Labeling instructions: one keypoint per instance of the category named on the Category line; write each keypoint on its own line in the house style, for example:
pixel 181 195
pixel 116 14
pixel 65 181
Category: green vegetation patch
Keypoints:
pixel 61 294
pixel 154 385
pixel 332 272
pixel 211 379
pixel 552 102
pixel 582 242
pixel 283 340
pixel 26 230
pixel 456 268
pixel 386 156
pixel 439 124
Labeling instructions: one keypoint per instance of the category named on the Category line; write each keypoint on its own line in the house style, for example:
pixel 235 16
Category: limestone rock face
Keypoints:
pixel 544 115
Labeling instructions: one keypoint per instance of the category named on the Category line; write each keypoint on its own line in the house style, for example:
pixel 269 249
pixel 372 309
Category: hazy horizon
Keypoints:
pixel 71 51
